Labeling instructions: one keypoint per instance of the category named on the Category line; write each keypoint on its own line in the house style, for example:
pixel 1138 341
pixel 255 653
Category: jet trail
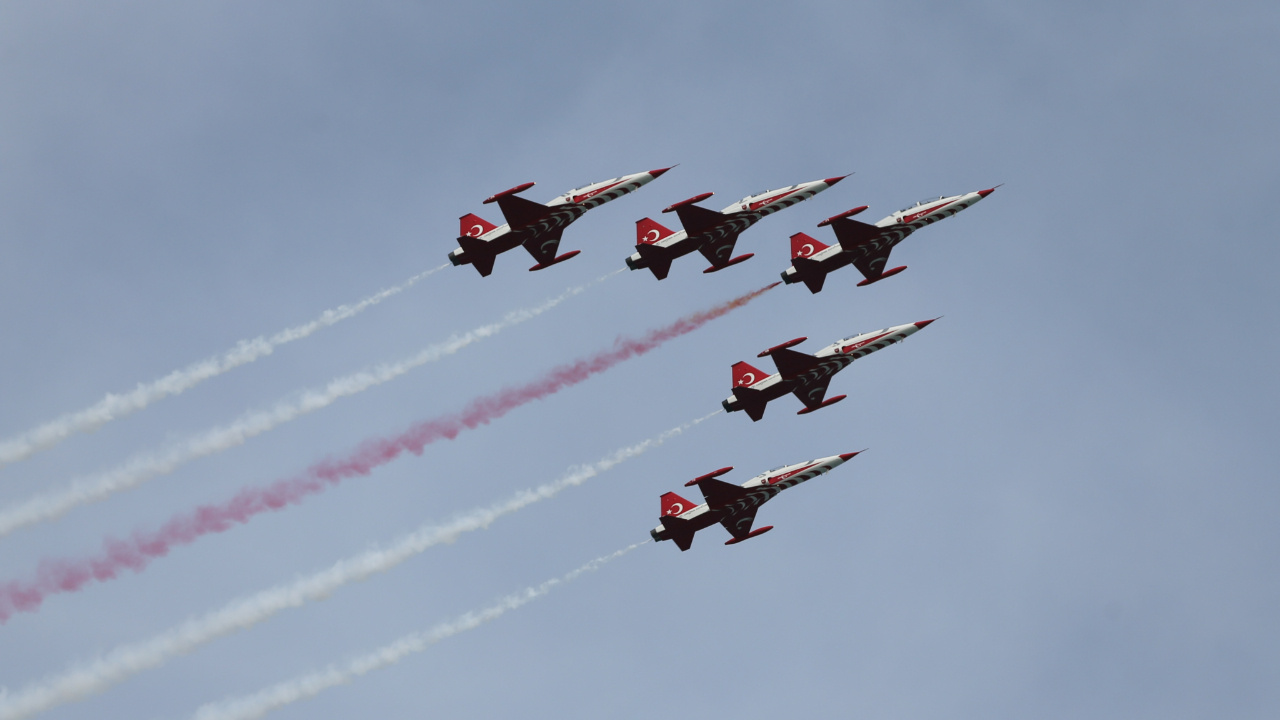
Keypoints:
pixel 135 553
pixel 142 468
pixel 125 661
pixel 311 684
pixel 114 406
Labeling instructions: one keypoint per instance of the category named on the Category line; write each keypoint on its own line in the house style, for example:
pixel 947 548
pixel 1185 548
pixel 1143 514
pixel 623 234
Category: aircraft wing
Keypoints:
pixel 792 364
pixel 521 213
pixel 543 248
pixel 813 393
pixel 870 245
pixel 739 525
pixel 720 494
pixel 696 219
pixel 718 251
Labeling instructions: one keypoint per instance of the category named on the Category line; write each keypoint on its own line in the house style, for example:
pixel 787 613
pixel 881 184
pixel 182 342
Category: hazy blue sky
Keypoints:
pixel 1069 503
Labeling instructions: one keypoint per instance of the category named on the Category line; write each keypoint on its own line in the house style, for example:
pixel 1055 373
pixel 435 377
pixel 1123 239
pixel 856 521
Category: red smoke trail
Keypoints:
pixel 135 553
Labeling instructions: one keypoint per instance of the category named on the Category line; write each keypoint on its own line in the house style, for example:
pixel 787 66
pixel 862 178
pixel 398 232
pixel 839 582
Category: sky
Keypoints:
pixel 1067 504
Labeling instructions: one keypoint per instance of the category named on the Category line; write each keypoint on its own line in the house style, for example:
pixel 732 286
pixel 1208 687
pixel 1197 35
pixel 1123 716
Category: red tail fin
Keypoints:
pixel 673 504
pixel 474 225
pixel 804 246
pixel 744 375
pixel 649 232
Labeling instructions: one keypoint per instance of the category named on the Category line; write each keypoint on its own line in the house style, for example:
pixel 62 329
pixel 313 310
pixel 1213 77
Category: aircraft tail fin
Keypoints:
pixel 673 504
pixel 803 246
pixel 745 374
pixel 473 225
pixel 650 231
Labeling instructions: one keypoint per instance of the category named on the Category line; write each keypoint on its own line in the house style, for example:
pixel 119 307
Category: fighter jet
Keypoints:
pixel 712 233
pixel 733 506
pixel 806 376
pixel 536 227
pixel 864 246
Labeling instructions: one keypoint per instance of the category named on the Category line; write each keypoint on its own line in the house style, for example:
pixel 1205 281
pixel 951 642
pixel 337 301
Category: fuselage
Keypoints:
pixel 760 489
pixel 737 217
pixel 834 358
pixel 562 211
pixel 897 227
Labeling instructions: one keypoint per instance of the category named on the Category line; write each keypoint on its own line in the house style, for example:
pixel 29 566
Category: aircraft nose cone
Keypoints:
pixel 923 324
pixel 846 456
pixel 658 173
pixel 988 191
pixel 833 180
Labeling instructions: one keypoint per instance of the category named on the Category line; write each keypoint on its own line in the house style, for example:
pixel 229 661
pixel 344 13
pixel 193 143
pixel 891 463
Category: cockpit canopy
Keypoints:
pixel 926 201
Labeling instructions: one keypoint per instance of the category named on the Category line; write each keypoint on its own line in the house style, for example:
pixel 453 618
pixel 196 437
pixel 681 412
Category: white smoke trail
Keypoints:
pixel 128 660
pixel 146 467
pixel 114 406
pixel 311 684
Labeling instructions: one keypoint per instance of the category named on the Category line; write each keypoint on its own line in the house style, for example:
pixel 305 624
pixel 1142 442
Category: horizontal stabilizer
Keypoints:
pixel 478 253
pixel 752 402
pixel 657 258
pixel 680 530
pixel 810 273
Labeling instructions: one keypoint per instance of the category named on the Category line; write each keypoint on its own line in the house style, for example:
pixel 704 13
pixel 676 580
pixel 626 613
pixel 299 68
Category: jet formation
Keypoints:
pixel 539 227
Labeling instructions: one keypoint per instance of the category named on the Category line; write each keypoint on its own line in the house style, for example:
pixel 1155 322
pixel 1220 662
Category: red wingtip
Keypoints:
pixel 658 173
pixel 846 456
pixel 833 180
pixel 988 191
pixel 924 323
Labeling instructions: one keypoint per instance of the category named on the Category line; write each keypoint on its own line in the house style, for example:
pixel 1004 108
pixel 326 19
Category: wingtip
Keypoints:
pixel 659 171
pixel 833 180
